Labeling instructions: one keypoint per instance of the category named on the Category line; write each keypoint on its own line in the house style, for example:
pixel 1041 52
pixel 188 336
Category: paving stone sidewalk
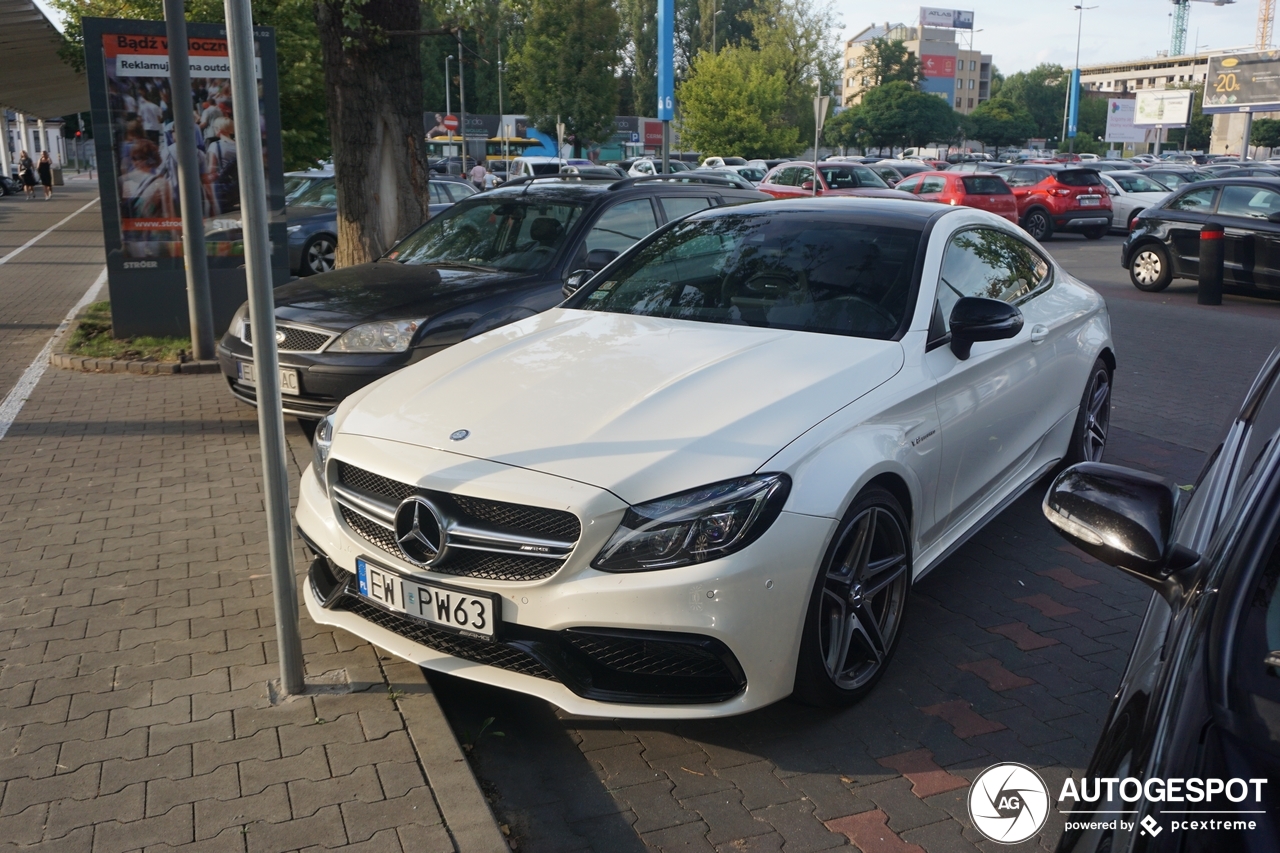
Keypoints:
pixel 137 643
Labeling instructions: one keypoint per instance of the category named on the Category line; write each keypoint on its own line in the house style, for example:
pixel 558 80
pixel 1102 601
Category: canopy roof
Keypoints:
pixel 35 80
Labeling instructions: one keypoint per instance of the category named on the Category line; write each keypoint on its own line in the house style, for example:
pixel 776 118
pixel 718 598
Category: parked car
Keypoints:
pixel 1195 702
pixel 728 173
pixel 985 192
pixel 646 166
pixel 1059 198
pixel 1252 171
pixel 752 174
pixel 442 193
pixel 493 258
pixel 9 186
pixel 1174 177
pixel 612 173
pixel 708 479
pixel 974 167
pixel 888 174
pixel 1112 166
pixel 1165 241
pixel 795 179
pixel 532 167
pixel 907 168
pixel 1222 169
pixel 296 183
pixel 1131 193
pixel 313 228
pixel 721 162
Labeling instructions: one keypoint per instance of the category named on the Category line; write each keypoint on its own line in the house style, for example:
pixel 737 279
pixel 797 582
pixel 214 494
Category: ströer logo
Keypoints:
pixel 1008 803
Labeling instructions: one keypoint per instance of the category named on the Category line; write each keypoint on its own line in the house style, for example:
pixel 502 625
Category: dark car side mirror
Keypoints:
pixel 1274 216
pixel 976 318
pixel 598 259
pixel 576 279
pixel 1123 518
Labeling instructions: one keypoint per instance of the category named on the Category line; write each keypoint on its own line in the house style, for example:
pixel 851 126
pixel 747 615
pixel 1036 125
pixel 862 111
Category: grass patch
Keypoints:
pixel 92 338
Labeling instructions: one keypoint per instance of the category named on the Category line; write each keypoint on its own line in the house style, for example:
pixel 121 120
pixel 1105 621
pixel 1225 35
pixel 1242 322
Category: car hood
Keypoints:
pixel 386 290
pixel 640 406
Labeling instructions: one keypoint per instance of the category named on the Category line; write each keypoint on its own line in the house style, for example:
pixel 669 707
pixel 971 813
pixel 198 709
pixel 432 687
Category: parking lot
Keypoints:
pixel 1011 651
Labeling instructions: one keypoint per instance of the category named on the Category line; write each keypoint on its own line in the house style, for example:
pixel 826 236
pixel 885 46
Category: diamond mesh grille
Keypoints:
pixel 498 567
pixel 480 651
pixel 551 523
pixel 295 339
pixel 375 484
pixel 370 530
pixel 649 657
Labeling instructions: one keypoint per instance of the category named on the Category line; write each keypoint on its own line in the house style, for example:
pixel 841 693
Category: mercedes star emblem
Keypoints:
pixel 458 435
pixel 420 531
pixel 280 336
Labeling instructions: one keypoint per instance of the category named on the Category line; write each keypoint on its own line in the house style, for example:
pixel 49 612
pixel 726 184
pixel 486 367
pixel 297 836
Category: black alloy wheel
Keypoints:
pixel 856 611
pixel 1038 224
pixel 318 254
pixel 1149 268
pixel 1093 421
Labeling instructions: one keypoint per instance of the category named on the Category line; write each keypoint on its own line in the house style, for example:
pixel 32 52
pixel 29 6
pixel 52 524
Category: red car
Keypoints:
pixel 795 180
pixel 1059 198
pixel 983 191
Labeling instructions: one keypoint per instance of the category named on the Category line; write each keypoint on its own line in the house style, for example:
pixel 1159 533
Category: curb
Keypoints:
pixel 88 364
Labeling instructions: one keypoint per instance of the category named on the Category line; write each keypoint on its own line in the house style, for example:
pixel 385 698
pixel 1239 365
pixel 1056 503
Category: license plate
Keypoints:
pixel 288 377
pixel 1089 200
pixel 463 611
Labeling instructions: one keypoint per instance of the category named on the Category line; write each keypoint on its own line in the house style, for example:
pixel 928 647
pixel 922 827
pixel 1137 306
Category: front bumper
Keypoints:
pixel 590 642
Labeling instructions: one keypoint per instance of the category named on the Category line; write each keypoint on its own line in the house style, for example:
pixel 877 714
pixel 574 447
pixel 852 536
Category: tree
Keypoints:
pixel 1042 91
pixel 373 90
pixel 897 113
pixel 305 135
pixel 1001 122
pixel 640 35
pixel 886 60
pixel 794 39
pixel 997 80
pixel 565 67
pixel 732 103
pixel 847 129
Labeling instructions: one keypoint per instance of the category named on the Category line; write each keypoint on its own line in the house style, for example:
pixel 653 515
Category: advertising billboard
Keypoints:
pixel 1120 122
pixel 938 65
pixel 134 110
pixel 1244 82
pixel 951 19
pixel 1162 108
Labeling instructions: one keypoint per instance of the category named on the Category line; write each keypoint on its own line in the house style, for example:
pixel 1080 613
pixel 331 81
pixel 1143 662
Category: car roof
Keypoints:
pixel 895 212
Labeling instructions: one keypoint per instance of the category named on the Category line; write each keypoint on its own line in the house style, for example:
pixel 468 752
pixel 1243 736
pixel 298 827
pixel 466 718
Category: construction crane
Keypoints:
pixel 1182 10
pixel 1266 20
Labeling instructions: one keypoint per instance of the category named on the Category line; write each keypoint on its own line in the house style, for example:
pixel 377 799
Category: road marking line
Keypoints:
pixel 25 245
pixel 26 384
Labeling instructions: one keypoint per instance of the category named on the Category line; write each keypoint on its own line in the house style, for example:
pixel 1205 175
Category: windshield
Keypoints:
pixel 850 177
pixel 1138 184
pixel 814 274
pixel 323 193
pixel 514 234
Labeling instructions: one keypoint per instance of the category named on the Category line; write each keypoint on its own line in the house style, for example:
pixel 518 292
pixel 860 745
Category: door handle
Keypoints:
pixel 1039 333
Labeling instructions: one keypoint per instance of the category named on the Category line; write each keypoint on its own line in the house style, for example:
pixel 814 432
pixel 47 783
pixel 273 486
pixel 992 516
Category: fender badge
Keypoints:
pixel 459 435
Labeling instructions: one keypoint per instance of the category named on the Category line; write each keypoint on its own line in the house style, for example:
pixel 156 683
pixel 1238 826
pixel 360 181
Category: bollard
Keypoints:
pixel 1212 250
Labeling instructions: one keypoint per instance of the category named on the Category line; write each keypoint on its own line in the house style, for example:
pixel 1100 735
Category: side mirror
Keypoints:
pixel 1274 217
pixel 807 185
pixel 1123 518
pixel 1112 191
pixel 598 259
pixel 576 279
pixel 976 318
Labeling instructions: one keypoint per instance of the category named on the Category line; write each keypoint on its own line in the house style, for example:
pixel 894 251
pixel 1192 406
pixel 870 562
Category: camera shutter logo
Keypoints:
pixel 1008 803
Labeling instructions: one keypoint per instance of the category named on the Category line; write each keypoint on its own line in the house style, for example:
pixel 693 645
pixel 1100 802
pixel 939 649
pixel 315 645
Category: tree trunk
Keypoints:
pixel 373 84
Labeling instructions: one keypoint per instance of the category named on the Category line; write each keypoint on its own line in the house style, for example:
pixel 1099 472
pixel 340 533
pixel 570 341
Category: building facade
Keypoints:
pixel 952 69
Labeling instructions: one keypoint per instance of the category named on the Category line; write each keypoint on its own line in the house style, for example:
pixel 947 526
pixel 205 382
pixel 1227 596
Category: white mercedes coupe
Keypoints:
pixel 708 479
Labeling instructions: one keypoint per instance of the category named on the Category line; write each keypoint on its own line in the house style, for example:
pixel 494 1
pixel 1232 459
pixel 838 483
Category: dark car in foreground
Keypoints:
pixel 497 257
pixel 1164 243
pixel 1196 719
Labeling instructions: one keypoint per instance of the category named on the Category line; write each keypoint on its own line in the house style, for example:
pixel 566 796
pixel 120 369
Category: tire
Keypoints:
pixel 1149 268
pixel 859 601
pixel 1038 224
pixel 1093 421
pixel 1096 233
pixel 317 255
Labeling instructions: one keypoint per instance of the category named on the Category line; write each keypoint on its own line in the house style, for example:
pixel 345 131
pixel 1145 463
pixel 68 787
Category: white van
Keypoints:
pixel 530 167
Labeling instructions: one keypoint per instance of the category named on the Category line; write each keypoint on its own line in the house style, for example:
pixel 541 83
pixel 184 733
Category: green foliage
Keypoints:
pixel 898 114
pixel 1000 122
pixel 565 67
pixel 793 38
pixel 640 32
pixel 485 26
pixel 846 130
pixel 1042 91
pixel 734 103
pixel 1265 133
pixel 302 103
pixel 997 81
pixel 885 61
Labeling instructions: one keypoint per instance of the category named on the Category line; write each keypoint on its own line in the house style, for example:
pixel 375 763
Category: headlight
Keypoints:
pixel 391 336
pixel 293 228
pixel 320 446
pixel 695 526
pixel 238 322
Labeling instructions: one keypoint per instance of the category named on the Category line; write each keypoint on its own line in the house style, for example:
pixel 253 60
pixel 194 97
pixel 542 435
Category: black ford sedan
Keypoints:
pixel 488 260
pixel 1196 719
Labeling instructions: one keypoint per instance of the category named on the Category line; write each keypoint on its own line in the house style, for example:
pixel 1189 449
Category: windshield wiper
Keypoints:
pixel 463 265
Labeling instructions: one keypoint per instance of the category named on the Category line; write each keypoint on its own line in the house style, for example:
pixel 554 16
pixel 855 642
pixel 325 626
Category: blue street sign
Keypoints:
pixel 666 59
pixel 635 137
pixel 1073 108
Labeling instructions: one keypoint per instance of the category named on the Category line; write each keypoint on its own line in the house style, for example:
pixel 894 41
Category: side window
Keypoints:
pixel 1196 201
pixel 802 175
pixel 989 263
pixel 909 185
pixel 460 191
pixel 787 177
pixel 935 184
pixel 1018 178
pixel 621 226
pixel 677 206
pixel 1248 202
pixel 437 195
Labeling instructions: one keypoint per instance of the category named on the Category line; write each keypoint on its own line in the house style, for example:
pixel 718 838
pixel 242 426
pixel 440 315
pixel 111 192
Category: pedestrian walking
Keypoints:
pixel 45 169
pixel 27 174
pixel 478 171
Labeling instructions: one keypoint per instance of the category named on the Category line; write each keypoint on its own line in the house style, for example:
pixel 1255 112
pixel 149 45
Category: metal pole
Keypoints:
pixel 1248 131
pixel 501 129
pixel 666 147
pixel 462 100
pixel 262 319
pixel 448 86
pixel 190 196
pixel 6 157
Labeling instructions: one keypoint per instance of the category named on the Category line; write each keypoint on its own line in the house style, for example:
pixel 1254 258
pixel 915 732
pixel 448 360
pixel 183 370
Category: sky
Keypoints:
pixel 1020 36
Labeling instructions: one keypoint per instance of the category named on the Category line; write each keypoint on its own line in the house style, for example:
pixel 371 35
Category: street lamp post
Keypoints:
pixel 448 85
pixel 1071 144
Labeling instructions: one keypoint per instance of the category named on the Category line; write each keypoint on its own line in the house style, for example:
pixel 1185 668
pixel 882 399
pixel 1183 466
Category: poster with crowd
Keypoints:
pixel 135 111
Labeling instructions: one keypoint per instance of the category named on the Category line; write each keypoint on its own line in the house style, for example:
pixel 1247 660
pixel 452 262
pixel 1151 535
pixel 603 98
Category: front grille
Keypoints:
pixel 649 657
pixel 535 522
pixel 295 338
pixel 468 648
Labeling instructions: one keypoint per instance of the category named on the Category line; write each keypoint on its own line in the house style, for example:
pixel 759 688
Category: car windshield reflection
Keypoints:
pixel 511 235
